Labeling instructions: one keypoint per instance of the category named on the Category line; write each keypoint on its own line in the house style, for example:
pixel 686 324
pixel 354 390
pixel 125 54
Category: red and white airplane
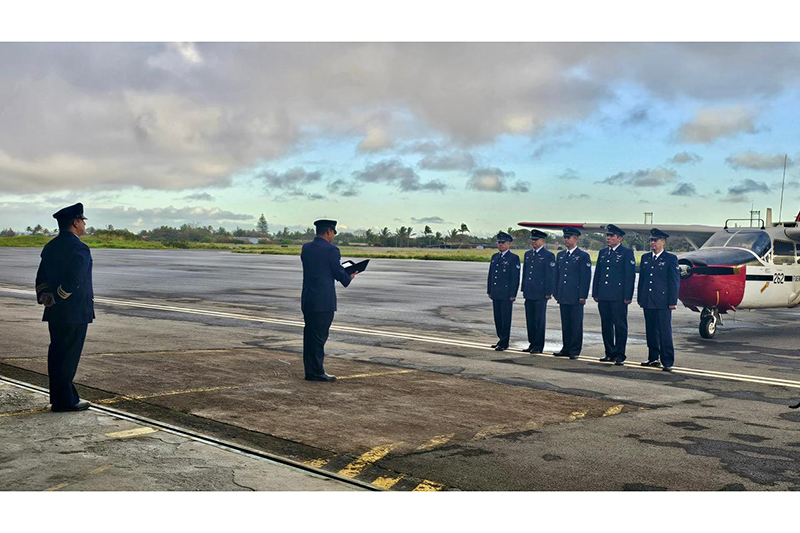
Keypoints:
pixel 730 268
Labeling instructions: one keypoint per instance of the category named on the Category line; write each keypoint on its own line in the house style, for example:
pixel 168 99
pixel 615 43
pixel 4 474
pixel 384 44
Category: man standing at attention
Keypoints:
pixel 64 287
pixel 321 266
pixel 612 289
pixel 573 275
pixel 537 287
pixel 502 286
pixel 657 293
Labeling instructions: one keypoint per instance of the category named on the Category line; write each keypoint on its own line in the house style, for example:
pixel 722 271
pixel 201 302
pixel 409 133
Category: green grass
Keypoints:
pixel 483 256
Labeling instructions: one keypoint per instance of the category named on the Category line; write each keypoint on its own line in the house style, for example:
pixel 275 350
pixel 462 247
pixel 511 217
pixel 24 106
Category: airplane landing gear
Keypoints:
pixel 709 320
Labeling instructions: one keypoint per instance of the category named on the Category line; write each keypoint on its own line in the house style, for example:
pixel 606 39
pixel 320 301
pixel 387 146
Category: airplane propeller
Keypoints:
pixel 687 270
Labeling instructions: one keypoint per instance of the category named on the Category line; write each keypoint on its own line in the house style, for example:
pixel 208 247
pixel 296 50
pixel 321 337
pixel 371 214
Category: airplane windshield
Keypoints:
pixel 756 241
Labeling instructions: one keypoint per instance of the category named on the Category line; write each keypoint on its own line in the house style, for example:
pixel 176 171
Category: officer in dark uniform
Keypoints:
pixel 657 293
pixel 64 287
pixel 502 286
pixel 612 289
pixel 538 275
pixel 573 275
pixel 321 266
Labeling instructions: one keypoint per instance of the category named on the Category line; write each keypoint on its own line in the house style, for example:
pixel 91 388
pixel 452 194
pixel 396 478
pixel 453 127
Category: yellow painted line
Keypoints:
pixel 577 415
pixel 118 399
pixel 317 463
pixel 435 442
pixel 129 433
pixel 505 429
pixel 100 469
pixel 428 486
pixel 360 464
pixel 414 337
pixel 614 410
pixel 26 412
pixel 56 487
pixel 376 374
pixel 386 482
pixel 765 286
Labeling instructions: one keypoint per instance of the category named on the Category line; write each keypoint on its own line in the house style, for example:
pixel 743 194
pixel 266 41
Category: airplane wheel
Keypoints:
pixel 708 327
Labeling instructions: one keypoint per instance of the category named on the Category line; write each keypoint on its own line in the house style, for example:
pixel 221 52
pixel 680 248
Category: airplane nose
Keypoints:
pixel 722 286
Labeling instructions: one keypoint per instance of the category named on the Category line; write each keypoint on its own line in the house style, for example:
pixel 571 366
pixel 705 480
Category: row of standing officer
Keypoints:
pixel 568 276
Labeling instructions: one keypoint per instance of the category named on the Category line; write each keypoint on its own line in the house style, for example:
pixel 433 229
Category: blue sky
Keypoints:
pixel 396 134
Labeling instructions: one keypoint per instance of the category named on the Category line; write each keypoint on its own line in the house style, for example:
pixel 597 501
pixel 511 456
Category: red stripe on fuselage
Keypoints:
pixel 723 292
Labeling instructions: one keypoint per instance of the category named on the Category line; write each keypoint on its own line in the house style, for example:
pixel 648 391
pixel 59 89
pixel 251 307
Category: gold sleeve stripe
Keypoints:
pixel 64 295
pixel 41 287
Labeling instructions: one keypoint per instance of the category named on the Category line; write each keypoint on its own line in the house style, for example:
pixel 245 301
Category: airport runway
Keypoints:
pixel 214 339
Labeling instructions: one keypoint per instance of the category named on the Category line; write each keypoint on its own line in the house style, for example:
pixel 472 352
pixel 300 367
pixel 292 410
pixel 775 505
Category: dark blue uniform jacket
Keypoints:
pixel 321 266
pixel 503 281
pixel 659 281
pixel 538 274
pixel 573 276
pixel 66 272
pixel 614 274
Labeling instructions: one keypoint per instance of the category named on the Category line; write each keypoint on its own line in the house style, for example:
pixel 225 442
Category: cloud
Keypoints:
pixel 394 172
pixel 132 217
pixel 377 140
pixel 569 174
pixel 290 179
pixel 581 196
pixel 200 196
pixel 744 191
pixel 489 179
pixel 421 147
pixel 429 220
pixel 344 188
pixel 643 178
pixel 548 147
pixel 708 125
pixel 452 161
pixel 684 189
pixel 521 186
pixel 636 116
pixel 756 161
pixel 682 158
pixel 106 116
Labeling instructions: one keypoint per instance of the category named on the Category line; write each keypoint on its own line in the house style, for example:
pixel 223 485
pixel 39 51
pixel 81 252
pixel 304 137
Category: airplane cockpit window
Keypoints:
pixel 784 253
pixel 757 241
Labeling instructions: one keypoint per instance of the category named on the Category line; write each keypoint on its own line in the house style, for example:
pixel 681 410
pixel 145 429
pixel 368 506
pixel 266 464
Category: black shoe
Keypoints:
pixel 321 377
pixel 574 356
pixel 619 362
pixel 529 349
pixel 535 351
pixel 499 348
pixel 561 354
pixel 495 345
pixel 667 369
pixel 651 363
pixel 607 359
pixel 80 406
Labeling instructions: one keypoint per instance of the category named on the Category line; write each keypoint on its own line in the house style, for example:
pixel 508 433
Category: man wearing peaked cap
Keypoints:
pixel 538 275
pixel 502 286
pixel 321 267
pixel 572 277
pixel 657 294
pixel 612 289
pixel 64 287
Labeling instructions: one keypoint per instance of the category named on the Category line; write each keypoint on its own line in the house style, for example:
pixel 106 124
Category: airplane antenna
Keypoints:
pixel 783 185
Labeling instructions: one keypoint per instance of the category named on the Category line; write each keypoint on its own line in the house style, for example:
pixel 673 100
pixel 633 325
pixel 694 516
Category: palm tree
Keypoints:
pixel 453 234
pixel 464 229
pixel 399 234
pixel 369 236
pixel 438 236
pixel 409 233
pixel 385 235
pixel 428 231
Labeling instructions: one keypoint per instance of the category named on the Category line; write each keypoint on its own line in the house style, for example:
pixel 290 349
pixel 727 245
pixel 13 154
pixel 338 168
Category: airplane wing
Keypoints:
pixel 695 234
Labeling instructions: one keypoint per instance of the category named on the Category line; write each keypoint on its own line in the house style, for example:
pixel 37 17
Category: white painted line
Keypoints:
pixel 413 337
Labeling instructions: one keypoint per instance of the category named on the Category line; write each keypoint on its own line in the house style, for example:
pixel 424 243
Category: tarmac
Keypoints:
pixel 212 343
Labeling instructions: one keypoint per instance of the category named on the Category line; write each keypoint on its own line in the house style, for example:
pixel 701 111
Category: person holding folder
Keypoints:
pixel 321 266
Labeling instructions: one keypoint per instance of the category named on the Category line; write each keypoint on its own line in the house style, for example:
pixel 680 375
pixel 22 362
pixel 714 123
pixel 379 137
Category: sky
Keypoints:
pixel 391 134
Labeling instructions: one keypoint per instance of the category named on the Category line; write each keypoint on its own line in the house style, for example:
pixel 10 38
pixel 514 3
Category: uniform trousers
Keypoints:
pixel 502 320
pixel 535 319
pixel 572 328
pixel 66 345
pixel 658 326
pixel 614 324
pixel 315 335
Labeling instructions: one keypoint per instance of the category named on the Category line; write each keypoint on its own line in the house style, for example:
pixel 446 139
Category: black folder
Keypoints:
pixel 351 267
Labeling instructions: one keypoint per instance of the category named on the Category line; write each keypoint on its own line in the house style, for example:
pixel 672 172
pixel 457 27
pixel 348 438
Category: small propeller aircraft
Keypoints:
pixel 731 268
